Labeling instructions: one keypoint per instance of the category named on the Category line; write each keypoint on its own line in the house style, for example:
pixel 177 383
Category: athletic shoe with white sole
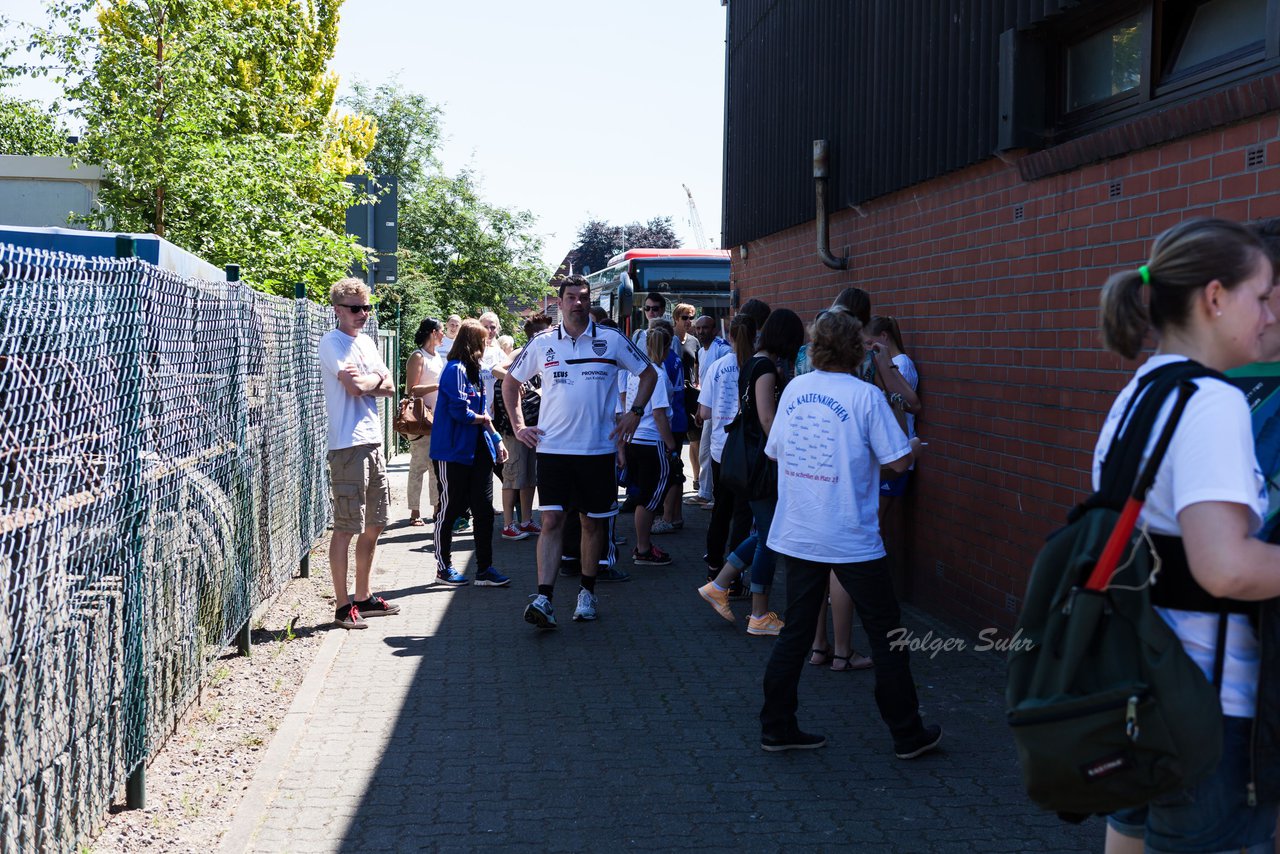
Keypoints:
pixel 586 610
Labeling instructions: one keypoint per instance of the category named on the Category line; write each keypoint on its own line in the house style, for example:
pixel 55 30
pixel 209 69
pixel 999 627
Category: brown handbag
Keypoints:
pixel 413 418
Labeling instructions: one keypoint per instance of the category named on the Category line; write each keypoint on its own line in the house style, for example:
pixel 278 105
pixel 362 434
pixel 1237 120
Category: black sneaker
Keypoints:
pixel 918 745
pixel 738 591
pixel 796 740
pixel 348 616
pixel 612 573
pixel 570 567
pixel 376 606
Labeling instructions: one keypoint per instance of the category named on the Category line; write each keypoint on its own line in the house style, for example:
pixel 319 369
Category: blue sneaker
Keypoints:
pixel 540 613
pixel 491 578
pixel 449 575
pixel 612 573
pixel 462 524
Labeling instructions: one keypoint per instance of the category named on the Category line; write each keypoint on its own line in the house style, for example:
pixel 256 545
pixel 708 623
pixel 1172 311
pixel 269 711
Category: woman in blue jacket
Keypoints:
pixel 464 448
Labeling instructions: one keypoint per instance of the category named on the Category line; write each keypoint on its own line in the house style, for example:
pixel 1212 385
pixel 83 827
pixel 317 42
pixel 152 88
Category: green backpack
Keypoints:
pixel 1106 708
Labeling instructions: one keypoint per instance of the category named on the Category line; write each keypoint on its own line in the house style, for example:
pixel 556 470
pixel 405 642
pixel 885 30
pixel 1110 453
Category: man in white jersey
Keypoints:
pixel 354 377
pixel 576 435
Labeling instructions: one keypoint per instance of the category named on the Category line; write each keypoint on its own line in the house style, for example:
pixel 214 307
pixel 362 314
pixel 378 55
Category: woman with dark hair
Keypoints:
pixel 421 379
pixel 760 383
pixel 1204 292
pixel 832 436
pixel 465 447
pixel 857 302
pixel 718 404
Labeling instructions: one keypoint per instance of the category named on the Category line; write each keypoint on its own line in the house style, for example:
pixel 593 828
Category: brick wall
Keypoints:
pixel 995 282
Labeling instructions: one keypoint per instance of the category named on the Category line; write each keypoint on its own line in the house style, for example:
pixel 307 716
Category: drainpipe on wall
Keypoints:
pixel 820 191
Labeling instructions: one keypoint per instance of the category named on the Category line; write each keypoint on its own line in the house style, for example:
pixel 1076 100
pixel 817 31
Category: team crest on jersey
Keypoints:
pixel 551 360
pixel 599 346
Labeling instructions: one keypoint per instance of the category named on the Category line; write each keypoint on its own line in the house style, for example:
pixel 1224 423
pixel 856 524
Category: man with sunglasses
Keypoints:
pixel 354 377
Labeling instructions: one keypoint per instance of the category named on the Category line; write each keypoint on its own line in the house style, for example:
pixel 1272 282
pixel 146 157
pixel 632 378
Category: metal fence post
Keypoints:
pixel 304 565
pixel 244 638
pixel 135 653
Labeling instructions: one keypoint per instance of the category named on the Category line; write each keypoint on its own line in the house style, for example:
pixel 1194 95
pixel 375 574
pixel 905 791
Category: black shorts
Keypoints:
pixel 651 472
pixel 588 483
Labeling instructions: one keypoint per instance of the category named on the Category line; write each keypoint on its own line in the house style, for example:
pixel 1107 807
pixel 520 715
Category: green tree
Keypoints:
pixel 457 252
pixel 27 129
pixel 598 241
pixel 212 120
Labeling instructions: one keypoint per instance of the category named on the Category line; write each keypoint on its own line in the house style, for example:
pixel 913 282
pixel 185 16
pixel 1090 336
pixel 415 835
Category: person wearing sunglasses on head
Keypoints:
pixel 354 377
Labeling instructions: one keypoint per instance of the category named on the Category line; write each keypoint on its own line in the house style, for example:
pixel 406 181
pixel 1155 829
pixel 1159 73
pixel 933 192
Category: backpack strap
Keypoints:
pixel 1124 455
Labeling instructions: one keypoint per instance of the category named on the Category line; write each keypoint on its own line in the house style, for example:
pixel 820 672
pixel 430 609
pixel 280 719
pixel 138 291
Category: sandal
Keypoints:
pixel 862 663
pixel 417 522
pixel 825 657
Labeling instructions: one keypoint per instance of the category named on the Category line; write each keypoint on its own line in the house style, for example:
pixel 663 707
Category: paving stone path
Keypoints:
pixel 456 726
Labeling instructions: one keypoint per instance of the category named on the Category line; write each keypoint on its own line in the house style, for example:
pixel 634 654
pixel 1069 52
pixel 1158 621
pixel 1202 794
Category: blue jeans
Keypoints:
pixel 1212 816
pixel 871 589
pixel 753 550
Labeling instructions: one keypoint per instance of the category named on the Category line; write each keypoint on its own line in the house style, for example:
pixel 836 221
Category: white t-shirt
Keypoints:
pixel 1211 458
pixel 719 393
pixel 352 420
pixel 432 366
pixel 579 385
pixel 647 430
pixel 491 356
pixel 445 346
pixel 706 357
pixel 907 368
pixel 830 437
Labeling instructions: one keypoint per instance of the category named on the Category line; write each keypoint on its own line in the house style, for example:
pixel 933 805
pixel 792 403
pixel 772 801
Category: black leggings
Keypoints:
pixel 465 487
pixel 731 518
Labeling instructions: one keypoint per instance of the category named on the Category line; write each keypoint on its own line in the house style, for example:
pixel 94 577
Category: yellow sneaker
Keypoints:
pixel 719 600
pixel 769 624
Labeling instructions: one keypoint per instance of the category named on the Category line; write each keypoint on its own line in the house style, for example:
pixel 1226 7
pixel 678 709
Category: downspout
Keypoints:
pixel 820 191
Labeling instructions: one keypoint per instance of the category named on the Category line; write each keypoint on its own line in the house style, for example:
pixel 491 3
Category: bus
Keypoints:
pixel 699 277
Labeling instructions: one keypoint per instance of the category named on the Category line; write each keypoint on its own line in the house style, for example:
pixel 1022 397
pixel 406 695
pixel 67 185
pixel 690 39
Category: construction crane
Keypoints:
pixel 695 221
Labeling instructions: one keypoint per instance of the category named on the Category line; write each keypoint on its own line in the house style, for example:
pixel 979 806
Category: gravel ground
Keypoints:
pixel 201 772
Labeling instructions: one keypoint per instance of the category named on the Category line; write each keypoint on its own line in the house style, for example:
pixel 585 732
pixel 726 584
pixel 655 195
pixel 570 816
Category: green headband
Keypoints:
pixel 1145 274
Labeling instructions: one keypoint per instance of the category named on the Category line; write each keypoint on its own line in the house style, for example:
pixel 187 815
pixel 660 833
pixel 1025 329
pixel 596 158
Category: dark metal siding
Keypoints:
pixel 903 90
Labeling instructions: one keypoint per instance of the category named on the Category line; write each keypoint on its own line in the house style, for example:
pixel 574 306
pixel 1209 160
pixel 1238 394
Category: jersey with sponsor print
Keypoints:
pixel 579 385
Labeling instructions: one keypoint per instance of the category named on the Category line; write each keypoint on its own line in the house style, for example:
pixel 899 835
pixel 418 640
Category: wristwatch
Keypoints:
pixel 637 411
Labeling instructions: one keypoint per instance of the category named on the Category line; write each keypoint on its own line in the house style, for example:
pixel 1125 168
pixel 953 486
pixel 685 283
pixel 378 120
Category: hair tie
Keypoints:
pixel 1145 274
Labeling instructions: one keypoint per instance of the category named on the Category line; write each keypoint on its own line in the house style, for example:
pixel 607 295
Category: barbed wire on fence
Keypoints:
pixel 161 473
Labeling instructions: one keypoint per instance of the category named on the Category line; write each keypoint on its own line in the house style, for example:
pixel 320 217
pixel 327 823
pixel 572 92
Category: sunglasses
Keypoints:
pixel 357 309
pixel 652 308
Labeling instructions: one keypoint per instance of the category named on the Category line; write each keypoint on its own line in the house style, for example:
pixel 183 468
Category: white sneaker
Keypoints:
pixel 662 526
pixel 586 609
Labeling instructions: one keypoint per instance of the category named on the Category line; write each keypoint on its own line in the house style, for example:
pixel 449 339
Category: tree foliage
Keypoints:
pixel 598 241
pixel 457 252
pixel 26 129
pixel 213 122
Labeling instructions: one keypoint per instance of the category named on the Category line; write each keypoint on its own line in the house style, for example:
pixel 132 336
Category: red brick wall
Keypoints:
pixel 1000 315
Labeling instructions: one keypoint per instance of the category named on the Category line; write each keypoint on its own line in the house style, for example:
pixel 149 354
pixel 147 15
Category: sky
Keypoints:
pixel 569 109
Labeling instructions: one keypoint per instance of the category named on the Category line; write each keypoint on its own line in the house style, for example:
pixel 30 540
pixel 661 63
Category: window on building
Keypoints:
pixel 1200 35
pixel 1104 64
pixel 1118 59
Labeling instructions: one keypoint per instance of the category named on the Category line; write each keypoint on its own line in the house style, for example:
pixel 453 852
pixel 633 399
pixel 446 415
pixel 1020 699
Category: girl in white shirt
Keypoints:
pixel 1204 291
pixel 651 451
pixel 421 379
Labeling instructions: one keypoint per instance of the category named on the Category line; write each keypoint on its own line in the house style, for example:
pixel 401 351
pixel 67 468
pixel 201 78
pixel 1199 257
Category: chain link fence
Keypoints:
pixel 162 472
